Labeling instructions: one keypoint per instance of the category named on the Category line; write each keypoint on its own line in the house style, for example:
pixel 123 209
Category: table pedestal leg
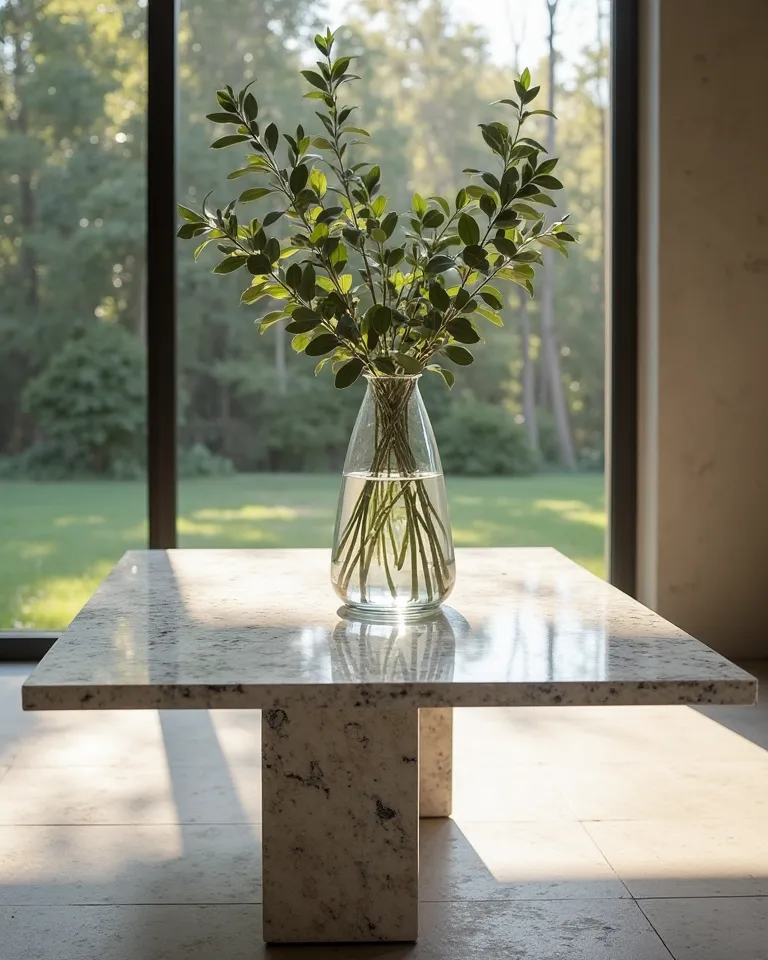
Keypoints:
pixel 435 762
pixel 341 828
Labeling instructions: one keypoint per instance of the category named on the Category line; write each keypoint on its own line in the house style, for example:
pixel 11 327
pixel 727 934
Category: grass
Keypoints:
pixel 58 540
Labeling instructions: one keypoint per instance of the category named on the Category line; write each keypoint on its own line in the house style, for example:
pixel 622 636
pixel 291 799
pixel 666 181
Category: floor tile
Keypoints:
pixel 119 737
pixel 485 789
pixel 644 791
pixel 512 861
pixel 161 864
pixel 605 735
pixel 712 929
pixel 687 858
pixel 546 930
pixel 141 795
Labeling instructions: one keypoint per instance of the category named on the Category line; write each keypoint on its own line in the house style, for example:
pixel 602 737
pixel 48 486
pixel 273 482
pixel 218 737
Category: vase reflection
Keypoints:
pixel 364 651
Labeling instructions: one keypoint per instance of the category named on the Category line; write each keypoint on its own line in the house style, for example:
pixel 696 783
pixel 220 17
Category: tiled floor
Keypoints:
pixel 579 834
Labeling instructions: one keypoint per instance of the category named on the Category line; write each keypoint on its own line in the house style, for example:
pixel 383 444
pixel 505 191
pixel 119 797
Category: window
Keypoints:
pixel 522 434
pixel 73 92
pixel 260 441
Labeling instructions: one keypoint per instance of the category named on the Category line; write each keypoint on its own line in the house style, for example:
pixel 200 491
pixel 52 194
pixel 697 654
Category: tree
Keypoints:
pixel 549 346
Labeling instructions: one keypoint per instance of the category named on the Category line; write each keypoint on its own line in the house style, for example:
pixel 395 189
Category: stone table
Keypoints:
pixel 356 717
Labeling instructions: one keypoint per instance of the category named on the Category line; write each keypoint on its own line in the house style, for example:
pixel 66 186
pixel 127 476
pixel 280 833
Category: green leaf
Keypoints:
pixel 315 79
pixel 273 216
pixel 526 211
pixel 378 206
pixel 360 130
pixel 250 107
pixel 475 256
pixel 259 265
pixel 272 249
pixel 389 223
pixel 318 181
pixel 322 143
pixel 492 298
pixel 223 117
pixel 542 198
pixel 378 235
pixel 408 363
pixel 228 141
pixel 547 167
pixel 255 194
pixel 298 178
pixel 506 247
pixel 531 94
pixel 345 282
pixel 190 215
pixel 469 231
pixel 321 344
pixel 301 326
pixel 548 182
pixel 293 276
pixel 347 374
pixel 339 66
pixel 384 365
pixel 306 313
pixel 443 204
pixel 462 330
pixel 553 244
pixel 301 341
pixel 271 137
pixel 459 355
pixel 270 319
pixel 512 103
pixel 419 205
pixel 525 78
pixel 462 199
pixel 189 230
pixel 433 218
pixel 440 263
pixel 307 285
pixel 439 297
pixel 447 375
pixel 199 249
pixel 230 264
pixel 488 205
pixel 380 318
pixel 490 315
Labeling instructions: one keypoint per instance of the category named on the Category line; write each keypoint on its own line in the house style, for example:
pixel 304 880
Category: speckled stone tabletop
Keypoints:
pixel 262 628
pixel 356 716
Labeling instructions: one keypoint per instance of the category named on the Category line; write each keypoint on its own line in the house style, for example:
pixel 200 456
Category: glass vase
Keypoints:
pixel 393 547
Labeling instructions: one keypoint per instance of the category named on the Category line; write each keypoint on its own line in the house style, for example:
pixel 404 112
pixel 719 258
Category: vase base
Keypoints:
pixel 386 613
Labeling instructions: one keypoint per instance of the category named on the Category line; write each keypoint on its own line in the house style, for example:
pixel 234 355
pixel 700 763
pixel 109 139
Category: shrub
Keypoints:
pixel 89 405
pixel 198 461
pixel 481 440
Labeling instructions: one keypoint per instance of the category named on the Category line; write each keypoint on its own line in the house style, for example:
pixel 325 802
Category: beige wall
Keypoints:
pixel 704 319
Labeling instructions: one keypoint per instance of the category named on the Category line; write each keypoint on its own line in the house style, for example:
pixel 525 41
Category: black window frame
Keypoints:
pixel 621 302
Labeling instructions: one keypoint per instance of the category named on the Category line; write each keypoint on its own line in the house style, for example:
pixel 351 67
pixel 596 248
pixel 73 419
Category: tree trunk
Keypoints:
pixel 27 257
pixel 549 347
pixel 529 379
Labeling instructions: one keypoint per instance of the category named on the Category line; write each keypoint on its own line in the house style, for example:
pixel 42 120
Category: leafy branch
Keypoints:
pixel 425 275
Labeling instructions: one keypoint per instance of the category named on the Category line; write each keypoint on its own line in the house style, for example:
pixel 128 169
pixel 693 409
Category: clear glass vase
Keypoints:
pixel 393 547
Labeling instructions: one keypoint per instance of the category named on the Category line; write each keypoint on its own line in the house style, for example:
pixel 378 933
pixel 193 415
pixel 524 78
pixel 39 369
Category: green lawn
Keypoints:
pixel 57 540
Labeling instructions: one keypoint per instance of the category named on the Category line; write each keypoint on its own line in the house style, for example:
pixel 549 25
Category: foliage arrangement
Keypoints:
pixel 419 289
pixel 372 291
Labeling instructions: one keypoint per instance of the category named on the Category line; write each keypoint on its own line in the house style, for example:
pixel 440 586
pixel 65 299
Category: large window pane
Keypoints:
pixel 522 432
pixel 72 325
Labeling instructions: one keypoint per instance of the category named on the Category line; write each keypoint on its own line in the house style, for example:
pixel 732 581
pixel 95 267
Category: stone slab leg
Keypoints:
pixel 436 762
pixel 341 825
